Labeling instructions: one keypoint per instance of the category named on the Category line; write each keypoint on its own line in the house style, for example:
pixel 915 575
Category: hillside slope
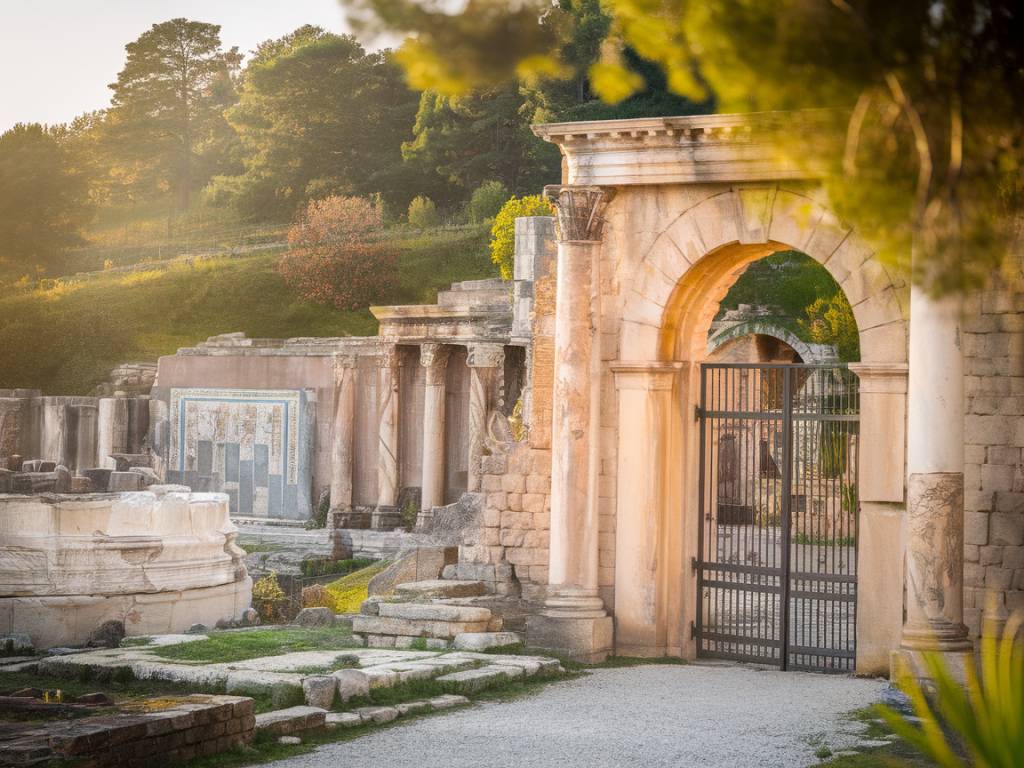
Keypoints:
pixel 67 338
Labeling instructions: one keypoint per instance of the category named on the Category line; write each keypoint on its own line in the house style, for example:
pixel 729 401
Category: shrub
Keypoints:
pixel 268 598
pixel 335 256
pixel 486 201
pixel 503 231
pixel 350 591
pixel 983 719
pixel 423 213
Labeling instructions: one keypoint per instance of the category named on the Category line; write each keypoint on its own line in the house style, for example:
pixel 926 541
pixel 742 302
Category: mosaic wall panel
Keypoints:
pixel 252 444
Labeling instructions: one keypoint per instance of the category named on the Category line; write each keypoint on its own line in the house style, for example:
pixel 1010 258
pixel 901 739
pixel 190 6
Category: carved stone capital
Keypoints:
pixel 389 357
pixel 342 364
pixel 485 356
pixel 434 358
pixel 580 211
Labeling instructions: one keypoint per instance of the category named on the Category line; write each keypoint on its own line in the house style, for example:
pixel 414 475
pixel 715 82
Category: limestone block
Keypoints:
pixel 350 683
pixel 124 481
pixel 319 690
pixel 434 612
pixel 976 528
pixel 291 720
pixel 441 588
pixel 414 628
pixel 481 641
pixel 342 720
pixel 1007 529
pixel 448 701
pixel 377 715
pixel 412 708
pixel 474 680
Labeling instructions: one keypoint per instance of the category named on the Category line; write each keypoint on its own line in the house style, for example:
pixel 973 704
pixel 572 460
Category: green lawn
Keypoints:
pixel 252 644
pixel 67 338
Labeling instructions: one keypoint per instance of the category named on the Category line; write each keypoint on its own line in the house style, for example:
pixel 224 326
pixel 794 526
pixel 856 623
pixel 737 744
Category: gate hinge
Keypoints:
pixel 694 564
pixel 693 630
pixel 698 413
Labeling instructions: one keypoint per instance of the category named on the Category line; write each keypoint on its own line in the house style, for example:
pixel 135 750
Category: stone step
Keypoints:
pixel 481 641
pixel 446 630
pixel 282 722
pixel 440 588
pixel 433 612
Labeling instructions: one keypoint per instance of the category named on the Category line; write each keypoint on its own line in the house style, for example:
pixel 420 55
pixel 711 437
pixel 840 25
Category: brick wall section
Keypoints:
pixel 994 452
pixel 197 726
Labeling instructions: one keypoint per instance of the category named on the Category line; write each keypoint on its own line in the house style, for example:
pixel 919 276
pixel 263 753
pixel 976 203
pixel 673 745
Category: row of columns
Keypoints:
pixel 485 362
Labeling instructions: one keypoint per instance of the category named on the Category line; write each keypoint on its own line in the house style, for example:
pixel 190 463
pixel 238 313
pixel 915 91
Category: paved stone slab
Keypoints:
pixel 433 612
pixel 448 700
pixel 412 707
pixel 377 715
pixel 343 720
pixel 367 625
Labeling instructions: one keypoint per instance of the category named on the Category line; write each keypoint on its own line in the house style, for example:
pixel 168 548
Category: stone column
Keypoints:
pixel 343 439
pixel 434 359
pixel 573 620
pixel 111 430
pixel 645 404
pixel 85 437
pixel 935 482
pixel 387 449
pixel 485 362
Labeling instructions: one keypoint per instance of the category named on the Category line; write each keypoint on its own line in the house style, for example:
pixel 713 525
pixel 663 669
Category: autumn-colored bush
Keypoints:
pixel 268 598
pixel 423 213
pixel 503 231
pixel 335 255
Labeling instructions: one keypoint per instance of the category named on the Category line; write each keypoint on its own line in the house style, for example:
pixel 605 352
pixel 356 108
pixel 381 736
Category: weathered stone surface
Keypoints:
pixel 281 722
pixel 343 720
pixel 448 701
pixel 62 479
pixel 351 683
pixel 412 707
pixel 479 641
pixel 378 715
pixel 434 612
pixel 414 628
pixel 473 680
pixel 315 617
pixel 121 482
pixel 418 564
pixel 108 635
pixel 440 588
pixel 319 690
pixel 283 687
pixel 15 643
pixel 289 740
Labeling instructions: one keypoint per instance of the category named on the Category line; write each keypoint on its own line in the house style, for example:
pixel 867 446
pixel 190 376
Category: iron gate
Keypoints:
pixel 777 569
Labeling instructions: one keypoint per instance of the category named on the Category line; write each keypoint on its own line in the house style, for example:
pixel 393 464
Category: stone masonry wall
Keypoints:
pixel 994 450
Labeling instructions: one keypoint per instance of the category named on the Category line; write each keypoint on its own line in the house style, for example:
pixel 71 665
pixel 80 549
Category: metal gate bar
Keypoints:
pixel 777 542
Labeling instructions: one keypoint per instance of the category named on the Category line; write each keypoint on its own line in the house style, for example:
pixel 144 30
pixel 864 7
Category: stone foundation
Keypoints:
pixel 158 561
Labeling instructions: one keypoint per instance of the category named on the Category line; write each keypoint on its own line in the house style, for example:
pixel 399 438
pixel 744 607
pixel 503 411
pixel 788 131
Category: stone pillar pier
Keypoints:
pixel 485 362
pixel 935 485
pixel 384 516
pixel 343 440
pixel 434 359
pixel 573 621
pixel 645 401
pixel 85 437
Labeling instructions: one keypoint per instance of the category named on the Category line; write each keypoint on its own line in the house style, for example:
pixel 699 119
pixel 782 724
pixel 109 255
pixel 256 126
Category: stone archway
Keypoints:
pixel 809 353
pixel 666 314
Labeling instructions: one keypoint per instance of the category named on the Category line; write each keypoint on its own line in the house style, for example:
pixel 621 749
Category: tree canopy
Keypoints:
pixel 926 153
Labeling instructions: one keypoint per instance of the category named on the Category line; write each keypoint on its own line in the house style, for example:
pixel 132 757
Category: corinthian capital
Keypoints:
pixel 580 211
pixel 485 355
pixel 434 358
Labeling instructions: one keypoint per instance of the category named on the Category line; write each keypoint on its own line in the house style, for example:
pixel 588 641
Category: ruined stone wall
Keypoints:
pixel 994 451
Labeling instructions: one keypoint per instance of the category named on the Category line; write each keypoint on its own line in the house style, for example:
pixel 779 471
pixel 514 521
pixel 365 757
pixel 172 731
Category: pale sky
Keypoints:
pixel 57 56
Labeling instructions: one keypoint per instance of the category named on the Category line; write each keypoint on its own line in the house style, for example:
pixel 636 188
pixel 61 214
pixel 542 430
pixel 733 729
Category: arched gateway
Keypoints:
pixel 658 217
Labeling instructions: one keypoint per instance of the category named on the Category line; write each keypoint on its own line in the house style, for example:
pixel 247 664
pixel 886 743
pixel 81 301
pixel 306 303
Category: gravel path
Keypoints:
pixel 650 716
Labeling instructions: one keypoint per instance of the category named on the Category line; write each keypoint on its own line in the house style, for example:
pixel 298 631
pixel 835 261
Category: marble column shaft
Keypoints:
pixel 387 451
pixel 434 359
pixel 485 362
pixel 935 477
pixel 573 557
pixel 343 441
pixel 111 430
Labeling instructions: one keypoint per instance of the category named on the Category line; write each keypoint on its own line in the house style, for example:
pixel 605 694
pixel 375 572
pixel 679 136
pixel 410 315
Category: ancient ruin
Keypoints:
pixel 561 426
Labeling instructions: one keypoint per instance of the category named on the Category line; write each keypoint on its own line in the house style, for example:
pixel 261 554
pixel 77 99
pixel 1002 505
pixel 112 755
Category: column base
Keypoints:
pixel 386 518
pixel 574 624
pixel 907 663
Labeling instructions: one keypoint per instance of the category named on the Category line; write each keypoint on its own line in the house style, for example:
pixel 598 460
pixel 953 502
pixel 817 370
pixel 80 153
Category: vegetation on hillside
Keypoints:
pixel 66 336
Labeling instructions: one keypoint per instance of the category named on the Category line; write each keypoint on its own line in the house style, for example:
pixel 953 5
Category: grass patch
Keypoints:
pixel 96 323
pixel 252 644
pixel 119 688
pixel 350 591
pixel 896 754
pixel 615 662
